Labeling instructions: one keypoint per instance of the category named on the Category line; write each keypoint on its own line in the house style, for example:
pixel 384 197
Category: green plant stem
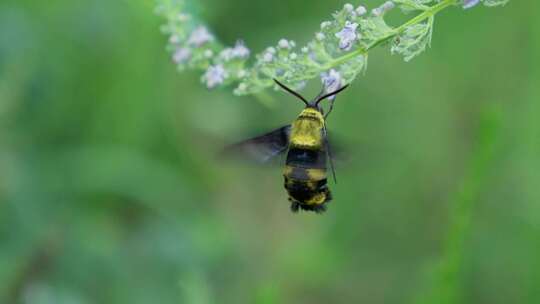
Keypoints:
pixel 428 13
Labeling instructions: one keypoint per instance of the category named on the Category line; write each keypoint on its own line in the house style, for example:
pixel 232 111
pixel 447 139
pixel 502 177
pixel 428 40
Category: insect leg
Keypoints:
pixel 330 109
pixel 329 154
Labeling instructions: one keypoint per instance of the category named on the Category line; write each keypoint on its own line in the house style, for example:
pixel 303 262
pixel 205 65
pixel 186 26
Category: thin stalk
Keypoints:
pixel 428 13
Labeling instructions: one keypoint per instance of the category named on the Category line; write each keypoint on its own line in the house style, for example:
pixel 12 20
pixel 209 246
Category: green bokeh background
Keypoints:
pixel 111 191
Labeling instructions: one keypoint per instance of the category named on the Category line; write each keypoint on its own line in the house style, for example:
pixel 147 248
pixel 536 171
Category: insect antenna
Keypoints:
pixel 319 99
pixel 291 91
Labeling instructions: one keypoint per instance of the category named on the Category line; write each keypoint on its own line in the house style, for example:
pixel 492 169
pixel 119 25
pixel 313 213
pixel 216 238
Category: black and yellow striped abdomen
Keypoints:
pixel 305 169
pixel 305 179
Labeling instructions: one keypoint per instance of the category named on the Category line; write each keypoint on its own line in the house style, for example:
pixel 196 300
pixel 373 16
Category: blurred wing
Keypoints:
pixel 262 148
pixel 336 148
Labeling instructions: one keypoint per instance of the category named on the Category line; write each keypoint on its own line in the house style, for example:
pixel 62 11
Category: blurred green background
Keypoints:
pixel 111 191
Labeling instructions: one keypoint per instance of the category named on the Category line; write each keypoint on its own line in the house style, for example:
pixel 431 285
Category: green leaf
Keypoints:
pixel 414 40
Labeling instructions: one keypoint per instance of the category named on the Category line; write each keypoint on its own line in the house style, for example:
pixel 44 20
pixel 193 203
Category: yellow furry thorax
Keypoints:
pixel 307 130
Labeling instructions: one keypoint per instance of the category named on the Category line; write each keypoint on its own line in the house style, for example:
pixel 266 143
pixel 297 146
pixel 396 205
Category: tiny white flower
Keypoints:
pixel 284 44
pixel 174 39
pixel 320 36
pixel 242 87
pixel 388 5
pixel 200 36
pixel 347 36
pixel 325 24
pixel 292 43
pixel 293 56
pixel 242 74
pixel 271 50
pixel 240 50
pixel 361 10
pixel 305 49
pixel 208 53
pixel 181 55
pixel 332 81
pixel 383 9
pixel 268 57
pixel 215 75
pixel 470 3
pixel 348 7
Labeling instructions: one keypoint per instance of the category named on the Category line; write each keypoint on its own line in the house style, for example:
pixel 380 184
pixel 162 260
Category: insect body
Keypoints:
pixel 308 151
pixel 305 167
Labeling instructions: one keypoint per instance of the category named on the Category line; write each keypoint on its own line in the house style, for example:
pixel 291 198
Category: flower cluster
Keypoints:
pixel 337 54
pixel 193 46
pixel 322 56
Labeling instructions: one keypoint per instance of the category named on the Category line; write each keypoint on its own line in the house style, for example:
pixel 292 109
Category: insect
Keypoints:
pixel 308 151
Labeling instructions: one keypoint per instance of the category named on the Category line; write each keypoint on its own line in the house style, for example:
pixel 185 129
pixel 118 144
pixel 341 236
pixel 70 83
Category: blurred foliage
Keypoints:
pixel 111 191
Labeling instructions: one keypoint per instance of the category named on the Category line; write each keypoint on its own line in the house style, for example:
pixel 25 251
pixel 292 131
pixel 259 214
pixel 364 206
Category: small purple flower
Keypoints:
pixel 284 44
pixel 347 36
pixel 181 55
pixel 200 36
pixel 215 75
pixel 226 54
pixel 240 50
pixel 332 81
pixel 268 57
pixel 470 3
